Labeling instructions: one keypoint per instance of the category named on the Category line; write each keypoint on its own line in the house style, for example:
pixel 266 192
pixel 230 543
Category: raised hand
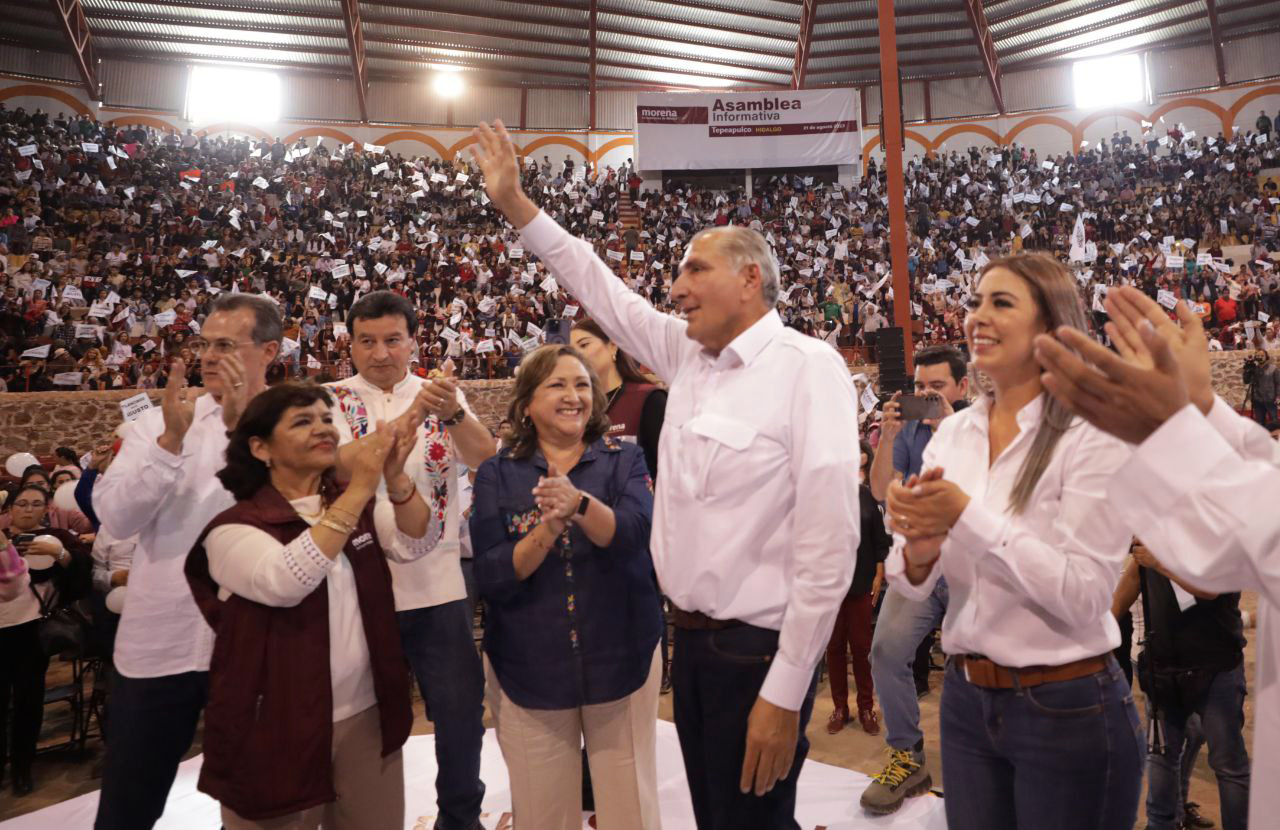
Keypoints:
pixel 178 405
pixel 404 437
pixel 235 389
pixel 556 496
pixel 891 418
pixel 925 506
pixel 370 459
pixel 1128 308
pixel 439 397
pixel 495 154
pixel 1127 400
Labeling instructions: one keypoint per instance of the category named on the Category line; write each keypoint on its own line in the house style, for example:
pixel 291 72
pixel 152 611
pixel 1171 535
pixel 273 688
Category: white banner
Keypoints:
pixel 711 130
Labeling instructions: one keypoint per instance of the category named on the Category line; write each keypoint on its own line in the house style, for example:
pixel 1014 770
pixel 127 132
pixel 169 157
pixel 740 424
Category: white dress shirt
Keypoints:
pixel 110 555
pixel 1200 492
pixel 249 562
pixel 167 500
pixel 436 578
pixel 757 507
pixel 1032 589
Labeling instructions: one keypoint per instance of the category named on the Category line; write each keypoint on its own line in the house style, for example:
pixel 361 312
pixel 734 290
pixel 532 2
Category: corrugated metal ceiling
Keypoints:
pixel 720 43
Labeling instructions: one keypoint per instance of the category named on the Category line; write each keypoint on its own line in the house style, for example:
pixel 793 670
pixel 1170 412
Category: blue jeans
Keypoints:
pixel 1059 756
pixel 1192 743
pixel 715 679
pixel 902 624
pixel 153 721
pixel 1222 720
pixel 442 653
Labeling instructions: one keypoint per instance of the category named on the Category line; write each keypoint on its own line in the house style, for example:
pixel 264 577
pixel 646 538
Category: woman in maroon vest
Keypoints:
pixel 308 689
pixel 636 408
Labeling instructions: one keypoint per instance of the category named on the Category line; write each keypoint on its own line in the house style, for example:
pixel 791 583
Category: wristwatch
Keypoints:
pixel 454 419
pixel 583 505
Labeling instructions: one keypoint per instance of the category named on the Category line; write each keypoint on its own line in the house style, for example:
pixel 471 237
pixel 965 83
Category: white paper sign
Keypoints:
pixel 132 408
pixel 39 352
pixel 68 379
pixel 1166 299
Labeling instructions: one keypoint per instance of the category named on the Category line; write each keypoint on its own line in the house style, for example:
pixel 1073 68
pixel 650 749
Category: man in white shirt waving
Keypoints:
pixel 1200 488
pixel 757 508
pixel 431 600
pixel 162 488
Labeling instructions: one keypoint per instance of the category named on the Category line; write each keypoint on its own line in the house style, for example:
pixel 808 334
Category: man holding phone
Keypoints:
pixel 941 387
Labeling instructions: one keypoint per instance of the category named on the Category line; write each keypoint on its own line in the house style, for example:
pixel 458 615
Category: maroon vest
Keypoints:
pixel 627 409
pixel 268 725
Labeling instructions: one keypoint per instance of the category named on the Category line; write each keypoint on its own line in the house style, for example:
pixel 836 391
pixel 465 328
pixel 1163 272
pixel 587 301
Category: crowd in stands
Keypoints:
pixel 116 239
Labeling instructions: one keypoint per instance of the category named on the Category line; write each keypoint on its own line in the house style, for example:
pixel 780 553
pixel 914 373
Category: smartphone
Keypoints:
pixel 23 539
pixel 920 407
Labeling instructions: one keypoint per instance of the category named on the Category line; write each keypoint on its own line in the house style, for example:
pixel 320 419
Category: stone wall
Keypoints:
pixel 40 421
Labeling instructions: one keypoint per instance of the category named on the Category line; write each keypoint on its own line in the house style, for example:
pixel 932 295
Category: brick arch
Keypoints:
pixel 148 120
pixel 1051 120
pixel 461 145
pixel 234 128
pixel 326 132
pixel 1245 99
pixel 42 91
pixel 1133 115
pixel 1201 103
pixel 980 129
pixel 611 145
pixel 918 138
pixel 410 135
pixel 545 141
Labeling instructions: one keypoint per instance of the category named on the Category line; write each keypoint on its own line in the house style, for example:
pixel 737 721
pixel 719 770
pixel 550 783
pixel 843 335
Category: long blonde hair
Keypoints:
pixel 1058 300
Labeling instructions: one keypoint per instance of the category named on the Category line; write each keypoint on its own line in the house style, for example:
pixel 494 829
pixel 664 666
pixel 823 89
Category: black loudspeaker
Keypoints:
pixel 891 356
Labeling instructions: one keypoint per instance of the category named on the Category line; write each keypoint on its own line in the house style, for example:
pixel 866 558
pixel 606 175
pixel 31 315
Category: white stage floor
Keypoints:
pixel 828 796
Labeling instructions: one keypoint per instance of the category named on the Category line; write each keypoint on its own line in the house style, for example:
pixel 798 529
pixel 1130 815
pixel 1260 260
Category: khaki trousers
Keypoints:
pixel 370 788
pixel 543 752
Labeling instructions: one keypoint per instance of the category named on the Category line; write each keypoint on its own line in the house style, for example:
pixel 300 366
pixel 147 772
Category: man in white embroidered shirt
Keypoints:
pixel 162 487
pixel 757 507
pixel 1199 490
pixel 431 600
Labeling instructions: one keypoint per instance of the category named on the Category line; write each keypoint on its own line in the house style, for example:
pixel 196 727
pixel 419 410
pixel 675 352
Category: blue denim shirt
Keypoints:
pixel 581 629
pixel 908 448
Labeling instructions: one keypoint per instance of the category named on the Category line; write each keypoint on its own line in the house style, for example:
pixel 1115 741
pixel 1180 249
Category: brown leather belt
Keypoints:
pixel 698 621
pixel 982 672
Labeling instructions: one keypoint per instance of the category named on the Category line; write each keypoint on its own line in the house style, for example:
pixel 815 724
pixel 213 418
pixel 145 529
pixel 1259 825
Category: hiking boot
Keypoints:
pixel 1192 819
pixel 904 776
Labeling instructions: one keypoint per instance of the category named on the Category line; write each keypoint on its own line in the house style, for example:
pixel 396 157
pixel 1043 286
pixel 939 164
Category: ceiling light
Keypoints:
pixel 447 84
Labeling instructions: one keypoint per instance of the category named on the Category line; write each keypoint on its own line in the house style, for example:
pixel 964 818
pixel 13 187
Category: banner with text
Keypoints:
pixel 716 130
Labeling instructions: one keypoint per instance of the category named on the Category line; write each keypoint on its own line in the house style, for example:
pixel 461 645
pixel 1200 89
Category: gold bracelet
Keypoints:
pixel 352 516
pixel 334 524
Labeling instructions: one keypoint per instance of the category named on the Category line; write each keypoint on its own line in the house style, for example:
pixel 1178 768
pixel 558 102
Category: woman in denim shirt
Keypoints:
pixel 560 529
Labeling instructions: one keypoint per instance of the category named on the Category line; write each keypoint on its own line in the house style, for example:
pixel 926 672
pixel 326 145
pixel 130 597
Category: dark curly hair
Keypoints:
pixel 536 367
pixel 244 474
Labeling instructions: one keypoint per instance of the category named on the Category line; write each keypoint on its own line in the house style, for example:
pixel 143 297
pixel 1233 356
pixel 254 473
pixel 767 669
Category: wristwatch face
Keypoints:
pixel 582 506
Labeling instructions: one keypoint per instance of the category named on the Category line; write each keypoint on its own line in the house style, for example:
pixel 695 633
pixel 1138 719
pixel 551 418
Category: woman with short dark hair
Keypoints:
pixel 59 575
pixel 560 530
pixel 308 692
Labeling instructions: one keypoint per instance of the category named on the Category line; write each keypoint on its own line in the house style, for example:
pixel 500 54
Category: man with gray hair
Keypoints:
pixel 162 487
pixel 756 514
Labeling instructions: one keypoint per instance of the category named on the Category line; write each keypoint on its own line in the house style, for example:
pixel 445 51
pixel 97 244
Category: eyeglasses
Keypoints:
pixel 218 347
pixel 30 505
